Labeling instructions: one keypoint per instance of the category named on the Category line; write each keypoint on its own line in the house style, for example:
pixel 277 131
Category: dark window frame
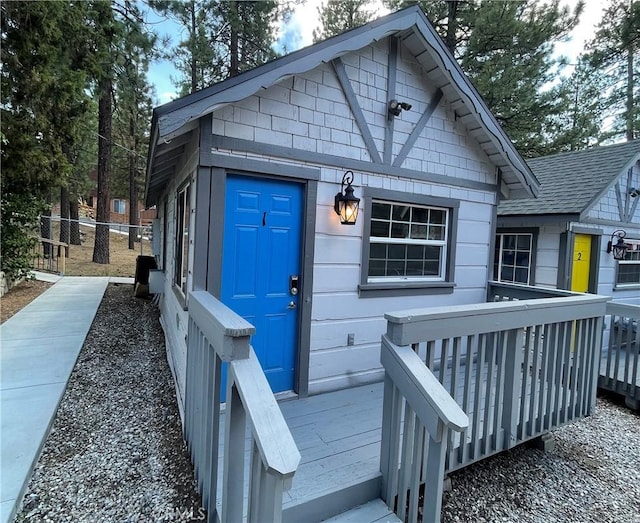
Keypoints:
pixel 410 286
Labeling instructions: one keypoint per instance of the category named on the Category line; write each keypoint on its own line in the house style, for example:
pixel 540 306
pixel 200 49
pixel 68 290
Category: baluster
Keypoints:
pixel 234 445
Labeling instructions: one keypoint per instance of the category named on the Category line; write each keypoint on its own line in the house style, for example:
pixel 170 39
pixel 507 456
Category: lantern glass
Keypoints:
pixel 348 212
pixel 619 250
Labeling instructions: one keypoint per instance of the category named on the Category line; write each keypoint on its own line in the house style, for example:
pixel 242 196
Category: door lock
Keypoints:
pixel 293 285
pixel 292 305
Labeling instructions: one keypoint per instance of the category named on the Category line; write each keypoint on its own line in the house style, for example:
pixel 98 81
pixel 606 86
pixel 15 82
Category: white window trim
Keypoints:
pixel 413 241
pixel 500 236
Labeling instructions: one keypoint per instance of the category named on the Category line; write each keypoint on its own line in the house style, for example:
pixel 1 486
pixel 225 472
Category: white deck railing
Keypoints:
pixel 217 334
pixel 620 364
pixel 517 369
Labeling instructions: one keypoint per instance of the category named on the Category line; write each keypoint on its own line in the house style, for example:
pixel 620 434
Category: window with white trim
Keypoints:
pixel 183 213
pixel 512 260
pixel 407 242
pixel 119 206
pixel 628 273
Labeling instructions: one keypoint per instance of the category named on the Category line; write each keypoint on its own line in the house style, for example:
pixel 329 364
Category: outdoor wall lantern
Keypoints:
pixel 620 248
pixel 346 204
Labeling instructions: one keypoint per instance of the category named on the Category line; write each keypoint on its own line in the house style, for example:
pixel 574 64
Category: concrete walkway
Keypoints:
pixel 38 350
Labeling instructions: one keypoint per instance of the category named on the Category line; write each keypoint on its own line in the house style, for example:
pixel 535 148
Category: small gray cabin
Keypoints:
pixel 326 235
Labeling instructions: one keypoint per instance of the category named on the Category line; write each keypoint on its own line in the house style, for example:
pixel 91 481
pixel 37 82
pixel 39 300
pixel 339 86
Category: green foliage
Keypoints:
pixel 506 49
pixel 338 16
pixel 19 216
pixel 222 37
pixel 43 83
pixel 615 50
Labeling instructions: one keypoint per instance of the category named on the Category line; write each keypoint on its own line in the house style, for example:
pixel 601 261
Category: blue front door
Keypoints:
pixel 261 255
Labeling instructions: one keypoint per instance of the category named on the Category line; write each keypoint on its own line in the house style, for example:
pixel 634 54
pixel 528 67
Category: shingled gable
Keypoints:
pixel 573 182
pixel 173 123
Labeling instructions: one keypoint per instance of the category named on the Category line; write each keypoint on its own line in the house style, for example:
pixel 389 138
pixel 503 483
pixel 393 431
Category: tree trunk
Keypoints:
pixel 629 114
pixel 45 227
pixel 194 36
pixel 74 215
pixel 234 67
pixel 133 190
pixel 101 246
pixel 64 218
pixel 452 25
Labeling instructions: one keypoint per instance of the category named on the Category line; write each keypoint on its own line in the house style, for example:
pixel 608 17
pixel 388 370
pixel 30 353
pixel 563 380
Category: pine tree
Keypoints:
pixel 43 83
pixel 506 48
pixel 338 16
pixel 223 37
pixel 615 49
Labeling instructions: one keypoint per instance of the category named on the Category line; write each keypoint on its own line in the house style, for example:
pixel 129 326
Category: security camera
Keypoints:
pixel 395 107
pixel 634 192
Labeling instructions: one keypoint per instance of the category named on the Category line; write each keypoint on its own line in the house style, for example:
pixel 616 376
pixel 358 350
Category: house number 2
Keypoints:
pixel 579 256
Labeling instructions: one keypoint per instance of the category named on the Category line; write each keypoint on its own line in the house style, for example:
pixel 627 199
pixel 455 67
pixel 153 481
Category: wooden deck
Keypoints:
pixel 511 371
pixel 338 435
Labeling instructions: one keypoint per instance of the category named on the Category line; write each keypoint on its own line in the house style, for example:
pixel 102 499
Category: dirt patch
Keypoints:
pixel 21 296
pixel 79 261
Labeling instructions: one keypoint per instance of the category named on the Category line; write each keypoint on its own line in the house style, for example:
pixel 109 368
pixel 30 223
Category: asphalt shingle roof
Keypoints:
pixel 571 181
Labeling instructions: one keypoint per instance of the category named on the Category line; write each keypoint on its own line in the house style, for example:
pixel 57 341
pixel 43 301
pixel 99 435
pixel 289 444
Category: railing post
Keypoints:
pixel 234 444
pixel 512 385
pixel 435 472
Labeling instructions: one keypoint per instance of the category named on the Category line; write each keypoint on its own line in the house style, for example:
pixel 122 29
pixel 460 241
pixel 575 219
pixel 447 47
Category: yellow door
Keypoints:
pixel 581 263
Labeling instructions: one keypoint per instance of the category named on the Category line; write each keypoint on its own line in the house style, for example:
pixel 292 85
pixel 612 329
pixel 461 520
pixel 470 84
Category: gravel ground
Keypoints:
pixel 592 475
pixel 116 453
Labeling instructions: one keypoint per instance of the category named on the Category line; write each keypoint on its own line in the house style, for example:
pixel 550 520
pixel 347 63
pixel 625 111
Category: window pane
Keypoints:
pixel 401 213
pixel 419 215
pixel 437 216
pixel 415 252
pixel 508 257
pixel 436 232
pixel 431 268
pixel 397 252
pixel 524 242
pixel 378 250
pixel 522 275
pixel 507 273
pixel 395 268
pixel 399 230
pixel 380 210
pixel 522 259
pixel 379 229
pixel 414 268
pixel 509 241
pixel 377 268
pixel 419 232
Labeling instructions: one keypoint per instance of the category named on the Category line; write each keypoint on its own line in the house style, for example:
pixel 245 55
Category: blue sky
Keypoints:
pixel 298 33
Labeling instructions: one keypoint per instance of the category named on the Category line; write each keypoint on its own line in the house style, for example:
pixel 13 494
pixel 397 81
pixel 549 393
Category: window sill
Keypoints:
pixel 627 287
pixel 410 288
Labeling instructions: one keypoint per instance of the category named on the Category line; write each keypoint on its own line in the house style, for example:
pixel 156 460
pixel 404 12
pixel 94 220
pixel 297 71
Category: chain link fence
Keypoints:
pixel 85 247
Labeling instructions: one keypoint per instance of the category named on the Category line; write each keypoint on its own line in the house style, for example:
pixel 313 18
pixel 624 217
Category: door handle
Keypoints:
pixel 293 285
pixel 292 305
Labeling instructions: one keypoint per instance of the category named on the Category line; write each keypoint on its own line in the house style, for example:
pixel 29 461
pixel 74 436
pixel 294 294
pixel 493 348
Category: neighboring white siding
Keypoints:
pixel 547 256
pixel 617 203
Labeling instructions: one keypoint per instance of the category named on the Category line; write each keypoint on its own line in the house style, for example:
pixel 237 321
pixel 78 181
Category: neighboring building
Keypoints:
pixel 560 239
pixel 244 175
